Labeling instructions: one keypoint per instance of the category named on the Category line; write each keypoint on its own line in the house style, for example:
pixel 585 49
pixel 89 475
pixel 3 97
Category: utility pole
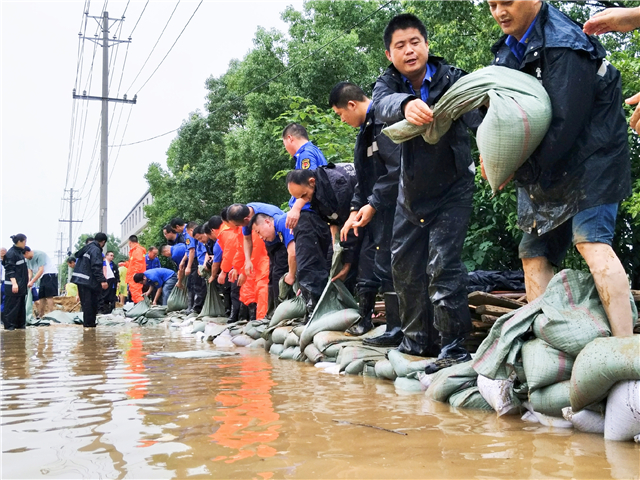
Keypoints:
pixel 71 221
pixel 104 150
pixel 61 258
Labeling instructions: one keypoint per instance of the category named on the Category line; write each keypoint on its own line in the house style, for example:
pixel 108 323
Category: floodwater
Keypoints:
pixel 82 403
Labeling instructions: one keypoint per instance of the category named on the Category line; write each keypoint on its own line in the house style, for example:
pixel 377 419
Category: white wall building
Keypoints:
pixel 134 222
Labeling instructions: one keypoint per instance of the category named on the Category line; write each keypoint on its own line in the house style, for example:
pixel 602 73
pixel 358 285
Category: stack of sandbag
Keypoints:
pixel 485 309
pixel 517 119
pixel 554 353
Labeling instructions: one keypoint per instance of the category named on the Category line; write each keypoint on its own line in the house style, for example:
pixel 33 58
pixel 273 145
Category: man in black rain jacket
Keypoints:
pixel 89 277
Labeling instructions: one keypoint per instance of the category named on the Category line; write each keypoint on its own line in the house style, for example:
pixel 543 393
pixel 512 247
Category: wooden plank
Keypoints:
pixel 483 298
pixel 489 318
pixel 484 326
pixel 492 310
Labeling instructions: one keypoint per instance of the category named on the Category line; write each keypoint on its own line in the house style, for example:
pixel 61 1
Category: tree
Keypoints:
pixel 113 245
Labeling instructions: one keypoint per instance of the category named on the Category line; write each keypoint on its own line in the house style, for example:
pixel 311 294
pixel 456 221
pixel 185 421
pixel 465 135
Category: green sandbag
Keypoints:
pixel 291 353
pixel 292 340
pixel 544 365
pixel 178 300
pixel 408 385
pixel 334 297
pixel 156 311
pixel 140 308
pixel 288 310
pixel 323 340
pixel 213 306
pixel 518 117
pixel 552 399
pixel 452 379
pixel 198 326
pixel 405 364
pixel 355 368
pixel 64 318
pixel 276 349
pixel 336 321
pixel 350 354
pixel 313 354
pixel 384 369
pixel 469 398
pixel 600 365
pixel 280 334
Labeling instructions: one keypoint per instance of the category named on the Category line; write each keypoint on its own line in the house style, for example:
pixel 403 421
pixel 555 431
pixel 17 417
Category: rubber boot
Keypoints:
pixel 253 309
pixel 233 315
pixel 310 301
pixel 367 304
pixel 243 313
pixel 452 353
pixel 393 336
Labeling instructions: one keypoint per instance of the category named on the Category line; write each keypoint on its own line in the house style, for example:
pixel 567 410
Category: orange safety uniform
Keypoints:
pixel 227 239
pixel 137 264
pixel 257 284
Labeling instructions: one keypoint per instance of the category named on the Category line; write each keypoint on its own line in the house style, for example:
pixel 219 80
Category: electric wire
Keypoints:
pixel 139 18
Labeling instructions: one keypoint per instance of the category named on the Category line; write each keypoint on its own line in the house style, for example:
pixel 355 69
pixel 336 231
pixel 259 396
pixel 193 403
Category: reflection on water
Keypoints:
pixel 89 403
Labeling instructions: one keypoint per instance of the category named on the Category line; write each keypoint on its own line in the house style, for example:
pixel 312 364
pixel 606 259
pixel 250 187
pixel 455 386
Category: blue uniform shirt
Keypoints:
pixel 519 48
pixel 308 157
pixel 265 208
pixel 178 251
pixel 189 241
pixel 201 252
pixel 158 276
pixel 283 234
pixel 217 253
pixel 424 89
pixel 155 263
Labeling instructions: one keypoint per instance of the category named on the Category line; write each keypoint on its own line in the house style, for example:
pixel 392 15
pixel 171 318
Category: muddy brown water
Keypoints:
pixel 82 403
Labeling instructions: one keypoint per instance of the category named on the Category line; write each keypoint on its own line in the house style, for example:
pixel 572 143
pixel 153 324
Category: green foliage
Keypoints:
pixel 113 245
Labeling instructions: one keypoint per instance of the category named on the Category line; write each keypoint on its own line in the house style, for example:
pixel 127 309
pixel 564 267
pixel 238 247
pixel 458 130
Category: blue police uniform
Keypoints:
pixel 178 251
pixel 201 252
pixel 162 278
pixel 155 263
pixel 265 208
pixel 308 157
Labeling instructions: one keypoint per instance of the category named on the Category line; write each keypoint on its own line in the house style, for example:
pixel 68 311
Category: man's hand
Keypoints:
pixel 241 279
pixel 233 275
pixel 105 285
pixel 187 271
pixel 222 277
pixel 343 273
pixel 634 123
pixel 334 232
pixel 210 279
pixel 154 303
pixel 293 216
pixel 348 225
pixel 613 20
pixel 15 288
pixel 30 284
pixel 248 267
pixel 418 112
pixel 484 175
pixel 289 278
pixel 364 216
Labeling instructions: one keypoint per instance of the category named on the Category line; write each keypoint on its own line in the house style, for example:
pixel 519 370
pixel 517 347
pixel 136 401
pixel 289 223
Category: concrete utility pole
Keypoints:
pixel 61 258
pixel 71 221
pixel 104 142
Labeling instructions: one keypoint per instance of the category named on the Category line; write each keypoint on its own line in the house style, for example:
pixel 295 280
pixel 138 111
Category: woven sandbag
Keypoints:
pixel 408 385
pixel 336 321
pixel 622 420
pixel 544 365
pixel 287 310
pixel 384 369
pixel 276 349
pixel 405 364
pixel 469 398
pixel 157 311
pixel 213 306
pixel 517 119
pixel 140 308
pixel 600 365
pixel 452 379
pixel 177 300
pixel 280 334
pixel 313 354
pixel 552 399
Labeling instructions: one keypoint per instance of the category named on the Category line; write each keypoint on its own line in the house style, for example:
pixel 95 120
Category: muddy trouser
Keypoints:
pixel 107 298
pixel 278 266
pixel 15 310
pixel 313 247
pixel 89 300
pixel 428 259
pixel 197 290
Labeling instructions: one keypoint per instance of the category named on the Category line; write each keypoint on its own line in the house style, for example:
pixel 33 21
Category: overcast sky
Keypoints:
pixel 38 73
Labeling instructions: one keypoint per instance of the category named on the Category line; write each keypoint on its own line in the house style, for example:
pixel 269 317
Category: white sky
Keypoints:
pixel 39 53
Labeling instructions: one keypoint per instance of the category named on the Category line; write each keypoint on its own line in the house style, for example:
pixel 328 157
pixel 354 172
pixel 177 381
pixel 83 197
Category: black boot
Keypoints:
pixel 243 312
pixel 310 301
pixel 235 312
pixel 367 304
pixel 393 336
pixel 452 353
pixel 253 309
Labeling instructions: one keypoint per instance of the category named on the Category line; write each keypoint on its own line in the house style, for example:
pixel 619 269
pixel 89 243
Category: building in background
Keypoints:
pixel 134 222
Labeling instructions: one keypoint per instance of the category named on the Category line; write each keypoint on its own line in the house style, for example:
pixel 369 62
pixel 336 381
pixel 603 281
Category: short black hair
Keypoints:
pixel 403 22
pixel 27 249
pixel 191 225
pixel 345 92
pixel 152 248
pixel 19 237
pixel 300 177
pixel 168 228
pixel 259 218
pixel 215 222
pixel 176 221
pixel 223 214
pixel 89 240
pixel 199 230
pixel 138 277
pixel 237 212
pixel 110 251
pixel 133 238
pixel 102 237
pixel 296 130
pixel 71 260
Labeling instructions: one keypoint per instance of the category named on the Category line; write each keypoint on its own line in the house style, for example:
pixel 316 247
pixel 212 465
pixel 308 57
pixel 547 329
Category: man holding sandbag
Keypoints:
pixel 434 200
pixel 570 187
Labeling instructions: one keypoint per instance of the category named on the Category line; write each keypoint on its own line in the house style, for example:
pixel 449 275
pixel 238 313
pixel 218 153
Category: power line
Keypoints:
pixel 139 18
pixel 154 47
pixel 146 139
pixel 174 44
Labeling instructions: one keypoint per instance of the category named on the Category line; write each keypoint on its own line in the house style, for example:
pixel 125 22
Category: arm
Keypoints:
pixel 293 264
pixel 571 101
pixel 157 297
pixel 96 269
pixel 613 20
pixel 293 215
pixel 388 103
pixel 385 190
pixel 192 255
pixel 248 251
pixel 10 272
pixel 35 277
pixel 215 268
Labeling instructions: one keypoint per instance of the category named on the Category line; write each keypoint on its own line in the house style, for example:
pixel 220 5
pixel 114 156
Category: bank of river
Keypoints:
pixel 82 403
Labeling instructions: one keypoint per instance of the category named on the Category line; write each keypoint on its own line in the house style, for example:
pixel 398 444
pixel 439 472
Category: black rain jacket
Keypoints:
pixel 431 175
pixel 583 161
pixel 88 270
pixel 15 266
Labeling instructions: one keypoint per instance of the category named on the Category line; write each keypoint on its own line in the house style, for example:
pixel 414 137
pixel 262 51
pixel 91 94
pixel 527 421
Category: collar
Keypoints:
pixel 302 147
pixel 520 47
pixel 428 75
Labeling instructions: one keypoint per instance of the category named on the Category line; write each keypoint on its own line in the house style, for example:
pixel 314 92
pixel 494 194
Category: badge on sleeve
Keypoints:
pixel 306 163
pixel 280 237
pixel 188 241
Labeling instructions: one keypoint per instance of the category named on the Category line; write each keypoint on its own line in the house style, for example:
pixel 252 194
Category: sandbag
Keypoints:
pixel 355 368
pixel 313 354
pixel 213 306
pixel 280 334
pixel 276 349
pixel 349 354
pixel 212 330
pixel 177 300
pixel 156 311
pixel 198 327
pixel 408 385
pixel 223 340
pixel 323 340
pixel 258 343
pixel 384 369
pixel 288 310
pixel 600 365
pixel 58 316
pixel 544 365
pixel 500 395
pixel 518 117
pixel 452 379
pixel 242 340
pixel 336 321
pixel 292 340
pixel 547 420
pixel 405 364
pixel 469 398
pixel 584 420
pixel 622 419
pixel 550 400
pixel 140 308
pixel 292 353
